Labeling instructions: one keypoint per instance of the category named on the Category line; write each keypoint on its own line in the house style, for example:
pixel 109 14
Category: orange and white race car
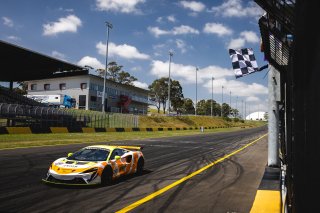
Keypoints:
pixel 99 164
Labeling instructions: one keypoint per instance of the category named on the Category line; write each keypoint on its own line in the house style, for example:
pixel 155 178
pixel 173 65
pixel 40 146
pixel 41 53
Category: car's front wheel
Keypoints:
pixel 140 166
pixel 106 177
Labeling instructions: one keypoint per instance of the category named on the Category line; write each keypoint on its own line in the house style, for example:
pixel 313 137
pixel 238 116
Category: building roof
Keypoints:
pixel 21 64
pixel 123 85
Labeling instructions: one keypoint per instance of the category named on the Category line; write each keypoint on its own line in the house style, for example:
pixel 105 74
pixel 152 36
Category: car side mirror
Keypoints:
pixel 117 157
pixel 69 154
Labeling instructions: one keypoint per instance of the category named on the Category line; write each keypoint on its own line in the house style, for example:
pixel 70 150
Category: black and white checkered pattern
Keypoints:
pixel 243 62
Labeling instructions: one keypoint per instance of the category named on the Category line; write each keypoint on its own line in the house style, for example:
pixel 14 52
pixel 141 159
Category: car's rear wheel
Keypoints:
pixel 140 166
pixel 106 178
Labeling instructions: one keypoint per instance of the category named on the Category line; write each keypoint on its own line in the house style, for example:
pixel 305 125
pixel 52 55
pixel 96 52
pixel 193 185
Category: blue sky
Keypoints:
pixel 198 32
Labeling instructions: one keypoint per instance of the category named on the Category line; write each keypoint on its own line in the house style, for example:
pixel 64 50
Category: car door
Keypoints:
pixel 121 165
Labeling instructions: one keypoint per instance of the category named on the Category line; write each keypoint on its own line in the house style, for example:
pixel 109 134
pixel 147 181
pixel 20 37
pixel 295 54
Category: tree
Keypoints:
pixel 159 89
pixel 187 106
pixel 116 74
pixel 226 110
pixel 176 95
pixel 158 92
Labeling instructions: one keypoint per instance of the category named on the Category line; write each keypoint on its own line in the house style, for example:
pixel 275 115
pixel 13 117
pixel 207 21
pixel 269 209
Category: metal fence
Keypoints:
pixel 22 115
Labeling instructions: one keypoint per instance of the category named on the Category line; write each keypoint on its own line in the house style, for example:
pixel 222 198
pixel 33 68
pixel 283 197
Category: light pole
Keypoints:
pixel 242 109
pixel 212 96
pixel 221 100
pixel 109 26
pixel 237 105
pixel 230 105
pixel 169 81
pixel 245 110
pixel 195 109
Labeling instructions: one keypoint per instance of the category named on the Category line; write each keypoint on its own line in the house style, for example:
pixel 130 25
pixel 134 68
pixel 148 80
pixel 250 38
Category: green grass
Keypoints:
pixel 33 140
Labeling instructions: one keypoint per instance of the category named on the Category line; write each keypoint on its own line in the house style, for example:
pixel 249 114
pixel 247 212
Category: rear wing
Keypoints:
pixel 131 147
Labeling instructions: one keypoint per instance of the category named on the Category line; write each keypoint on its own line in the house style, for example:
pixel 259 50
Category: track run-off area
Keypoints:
pixel 210 172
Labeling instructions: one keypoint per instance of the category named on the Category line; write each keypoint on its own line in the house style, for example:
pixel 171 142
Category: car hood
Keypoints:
pixel 65 166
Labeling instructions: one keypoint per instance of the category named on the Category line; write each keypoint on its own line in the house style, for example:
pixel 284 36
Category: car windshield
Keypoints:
pixel 90 154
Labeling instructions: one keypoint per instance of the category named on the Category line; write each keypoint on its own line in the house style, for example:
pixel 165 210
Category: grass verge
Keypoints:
pixel 35 140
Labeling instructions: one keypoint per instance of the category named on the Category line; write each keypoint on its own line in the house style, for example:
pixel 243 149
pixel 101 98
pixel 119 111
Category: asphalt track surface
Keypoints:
pixel 229 186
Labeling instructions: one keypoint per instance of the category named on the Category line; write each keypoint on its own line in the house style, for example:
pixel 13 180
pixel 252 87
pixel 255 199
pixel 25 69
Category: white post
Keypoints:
pixel 273 117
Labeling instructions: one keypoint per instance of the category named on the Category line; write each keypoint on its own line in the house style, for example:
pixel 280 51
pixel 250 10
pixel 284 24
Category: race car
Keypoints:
pixel 99 164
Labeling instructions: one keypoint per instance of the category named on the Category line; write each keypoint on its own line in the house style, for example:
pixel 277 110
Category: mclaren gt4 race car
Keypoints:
pixel 98 164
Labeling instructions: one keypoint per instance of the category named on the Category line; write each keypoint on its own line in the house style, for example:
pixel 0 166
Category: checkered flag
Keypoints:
pixel 243 62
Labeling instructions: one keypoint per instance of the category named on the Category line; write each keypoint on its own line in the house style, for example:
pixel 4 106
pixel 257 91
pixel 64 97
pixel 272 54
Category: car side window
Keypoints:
pixel 116 152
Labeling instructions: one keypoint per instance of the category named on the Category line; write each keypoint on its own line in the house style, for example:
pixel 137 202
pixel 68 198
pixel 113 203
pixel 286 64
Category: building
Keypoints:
pixel 87 90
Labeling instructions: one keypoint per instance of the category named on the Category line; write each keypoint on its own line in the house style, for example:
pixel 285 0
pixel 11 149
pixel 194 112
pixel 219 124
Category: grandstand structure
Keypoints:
pixel 17 110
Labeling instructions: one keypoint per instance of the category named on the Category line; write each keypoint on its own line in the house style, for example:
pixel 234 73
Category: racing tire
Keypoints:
pixel 106 177
pixel 140 166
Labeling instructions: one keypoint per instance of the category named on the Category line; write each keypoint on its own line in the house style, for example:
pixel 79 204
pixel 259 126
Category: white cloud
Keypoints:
pixel 252 99
pixel 250 36
pixel 123 51
pixel 123 6
pixel 171 18
pixel 236 43
pixel 193 5
pixel 217 28
pixel 186 74
pixel 234 8
pixel 92 62
pixel 156 31
pixel 140 84
pixel 59 55
pixel 67 24
pixel 7 21
pixel 136 69
pixel 14 38
pixel 69 10
pixel 183 29
pixel 181 45
pixel 245 37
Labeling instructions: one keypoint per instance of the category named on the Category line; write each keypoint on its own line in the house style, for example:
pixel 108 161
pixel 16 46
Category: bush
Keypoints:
pixel 236 120
pixel 227 119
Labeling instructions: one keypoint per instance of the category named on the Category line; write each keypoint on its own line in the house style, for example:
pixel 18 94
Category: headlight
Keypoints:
pixel 90 170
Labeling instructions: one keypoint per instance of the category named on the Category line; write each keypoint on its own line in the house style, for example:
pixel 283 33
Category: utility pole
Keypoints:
pixel 221 100
pixel 245 110
pixel 242 109
pixel 230 105
pixel 169 81
pixel 212 96
pixel 195 109
pixel 237 105
pixel 109 26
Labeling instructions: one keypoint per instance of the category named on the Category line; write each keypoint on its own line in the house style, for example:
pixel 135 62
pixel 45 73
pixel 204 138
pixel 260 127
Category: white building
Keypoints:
pixel 87 91
pixel 256 116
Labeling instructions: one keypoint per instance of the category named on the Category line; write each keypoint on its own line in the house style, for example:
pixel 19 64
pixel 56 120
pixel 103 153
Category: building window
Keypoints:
pixel 46 86
pixel 62 86
pixel 93 98
pixel 33 87
pixel 83 85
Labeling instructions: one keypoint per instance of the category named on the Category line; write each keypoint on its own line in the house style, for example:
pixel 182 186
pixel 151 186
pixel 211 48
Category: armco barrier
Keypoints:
pixel 35 130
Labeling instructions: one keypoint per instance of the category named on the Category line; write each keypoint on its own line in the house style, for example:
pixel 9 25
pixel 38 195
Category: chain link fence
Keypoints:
pixel 23 115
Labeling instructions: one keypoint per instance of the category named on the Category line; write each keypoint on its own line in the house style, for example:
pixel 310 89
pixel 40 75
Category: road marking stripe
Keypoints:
pixel 163 190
